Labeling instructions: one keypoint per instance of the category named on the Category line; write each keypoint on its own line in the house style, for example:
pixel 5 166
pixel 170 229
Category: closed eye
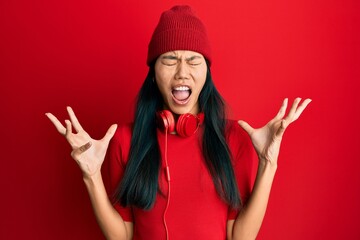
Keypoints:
pixel 194 63
pixel 169 63
pixel 169 60
pixel 194 60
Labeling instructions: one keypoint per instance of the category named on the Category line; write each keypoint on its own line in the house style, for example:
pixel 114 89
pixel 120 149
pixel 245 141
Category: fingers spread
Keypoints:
pixel 282 110
pixel 301 108
pixel 74 119
pixel 110 133
pixel 60 128
pixel 290 117
pixel 246 127
pixel 68 128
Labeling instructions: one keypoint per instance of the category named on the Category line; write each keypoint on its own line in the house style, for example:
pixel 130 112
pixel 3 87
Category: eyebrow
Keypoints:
pixel 171 57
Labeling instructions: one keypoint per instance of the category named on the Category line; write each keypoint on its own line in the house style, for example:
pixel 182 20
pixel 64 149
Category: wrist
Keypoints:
pixel 267 166
pixel 93 178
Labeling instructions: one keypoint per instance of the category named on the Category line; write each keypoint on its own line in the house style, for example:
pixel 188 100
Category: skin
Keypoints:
pixel 266 141
pixel 89 154
pixel 180 68
pixel 173 69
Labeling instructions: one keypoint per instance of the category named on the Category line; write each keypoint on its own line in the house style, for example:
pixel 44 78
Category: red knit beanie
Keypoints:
pixel 179 29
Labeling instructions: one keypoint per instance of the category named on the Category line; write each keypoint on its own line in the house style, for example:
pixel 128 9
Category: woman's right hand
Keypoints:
pixel 87 152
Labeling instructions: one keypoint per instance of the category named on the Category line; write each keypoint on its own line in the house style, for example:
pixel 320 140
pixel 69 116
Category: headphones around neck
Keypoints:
pixel 186 125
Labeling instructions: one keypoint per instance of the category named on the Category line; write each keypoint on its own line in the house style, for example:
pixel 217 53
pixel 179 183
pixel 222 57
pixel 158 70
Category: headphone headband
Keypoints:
pixel 187 124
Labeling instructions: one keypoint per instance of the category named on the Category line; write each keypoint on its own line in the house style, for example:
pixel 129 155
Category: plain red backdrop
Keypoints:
pixel 91 55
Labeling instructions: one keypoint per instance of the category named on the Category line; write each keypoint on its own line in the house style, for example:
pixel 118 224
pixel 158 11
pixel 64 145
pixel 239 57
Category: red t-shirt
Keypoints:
pixel 195 210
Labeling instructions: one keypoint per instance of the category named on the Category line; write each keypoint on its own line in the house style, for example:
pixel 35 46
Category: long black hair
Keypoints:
pixel 139 185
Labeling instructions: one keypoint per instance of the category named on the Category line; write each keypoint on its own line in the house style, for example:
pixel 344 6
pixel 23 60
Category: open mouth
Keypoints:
pixel 181 94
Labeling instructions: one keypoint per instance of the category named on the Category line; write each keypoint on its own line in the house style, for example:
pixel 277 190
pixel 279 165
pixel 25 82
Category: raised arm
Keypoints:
pixel 89 155
pixel 266 141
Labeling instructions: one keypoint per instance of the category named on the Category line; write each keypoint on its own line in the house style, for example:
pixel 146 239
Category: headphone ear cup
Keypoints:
pixel 165 121
pixel 187 125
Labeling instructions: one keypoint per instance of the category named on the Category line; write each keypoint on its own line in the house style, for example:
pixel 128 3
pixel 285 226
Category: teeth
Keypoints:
pixel 182 88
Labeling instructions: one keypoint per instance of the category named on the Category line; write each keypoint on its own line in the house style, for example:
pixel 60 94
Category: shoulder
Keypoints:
pixel 123 131
pixel 239 141
pixel 120 143
pixel 244 158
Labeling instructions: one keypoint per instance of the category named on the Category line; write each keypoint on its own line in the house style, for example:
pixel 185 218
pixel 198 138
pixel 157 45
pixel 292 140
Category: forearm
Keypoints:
pixel 249 220
pixel 109 220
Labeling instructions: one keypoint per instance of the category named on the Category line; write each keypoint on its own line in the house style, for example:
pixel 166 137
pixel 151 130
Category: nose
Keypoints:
pixel 182 71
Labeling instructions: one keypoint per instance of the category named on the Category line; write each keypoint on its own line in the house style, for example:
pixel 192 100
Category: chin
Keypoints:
pixel 182 110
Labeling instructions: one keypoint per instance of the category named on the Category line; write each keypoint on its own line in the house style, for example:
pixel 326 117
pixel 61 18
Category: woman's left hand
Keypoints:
pixel 267 140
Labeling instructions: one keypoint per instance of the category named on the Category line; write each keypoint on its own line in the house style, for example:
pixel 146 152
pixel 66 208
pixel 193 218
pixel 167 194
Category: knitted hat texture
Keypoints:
pixel 179 29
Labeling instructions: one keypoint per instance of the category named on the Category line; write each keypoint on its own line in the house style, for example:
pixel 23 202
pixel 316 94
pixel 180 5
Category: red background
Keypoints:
pixel 91 55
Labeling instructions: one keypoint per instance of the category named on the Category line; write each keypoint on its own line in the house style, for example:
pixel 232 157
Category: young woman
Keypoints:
pixel 181 170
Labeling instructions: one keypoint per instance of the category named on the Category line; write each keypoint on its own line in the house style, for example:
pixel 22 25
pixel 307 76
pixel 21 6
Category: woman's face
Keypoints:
pixel 180 76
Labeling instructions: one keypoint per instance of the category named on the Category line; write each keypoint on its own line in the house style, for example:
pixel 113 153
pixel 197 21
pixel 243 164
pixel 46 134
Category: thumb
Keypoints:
pixel 110 133
pixel 246 126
